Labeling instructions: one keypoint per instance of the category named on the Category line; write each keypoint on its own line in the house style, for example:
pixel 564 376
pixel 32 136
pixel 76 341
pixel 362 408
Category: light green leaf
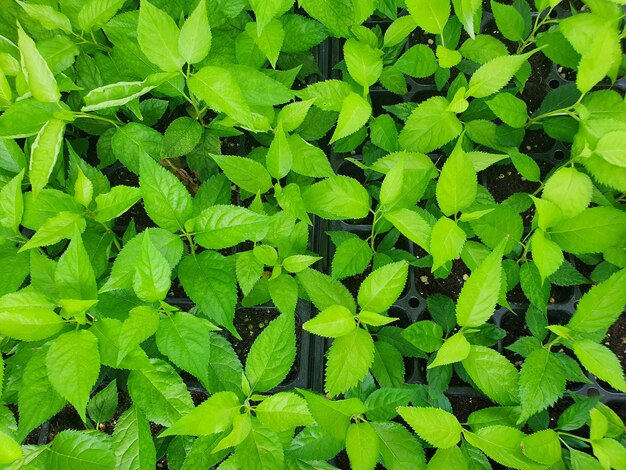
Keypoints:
pixel 213 415
pixel 332 322
pixel 44 154
pixel 266 10
pixel 570 190
pixel 40 80
pixel 480 292
pixel 117 94
pixel 383 287
pixel 430 126
pixel 600 361
pixel 73 364
pixel 412 225
pixel 158 37
pixel 209 280
pixel 12 203
pixel 609 452
pixel 292 115
pixel 438 427
pixel 351 257
pixel 509 21
pixel 272 354
pixel 457 184
pixel 418 61
pixel 451 457
pixel 47 16
pixel 349 360
pixel 96 13
pixel 242 425
pixel 364 63
pixel 541 382
pixel 354 114
pixel 284 293
pixel 244 172
pixel 132 442
pixel 509 109
pixel 74 276
pixel 430 15
pixel 324 291
pixel 391 188
pixel 399 449
pixel 284 411
pixel 495 74
pixel 502 444
pixel 333 416
pixel 269 40
pixel 446 242
pixel 337 198
pixel 102 405
pixel 114 203
pixel 152 278
pixel 195 37
pixel 493 374
pixel 399 30
pixel 454 349
pixel 600 57
pixel 592 231
pixel 181 137
pixel 547 255
pixel 543 447
pixel 611 147
pixel 74 449
pixel 260 450
pixel 220 226
pixel 55 229
pixel 279 157
pixel 362 446
pixel 159 393
pixel 297 263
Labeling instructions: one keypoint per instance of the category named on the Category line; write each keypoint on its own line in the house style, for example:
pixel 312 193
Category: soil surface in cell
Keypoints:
pixel 465 405
pixel 427 284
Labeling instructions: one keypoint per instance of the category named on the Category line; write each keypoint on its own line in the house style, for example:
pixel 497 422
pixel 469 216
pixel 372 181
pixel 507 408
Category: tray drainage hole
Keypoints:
pixel 559 155
pixel 554 14
pixel 554 83
pixel 593 392
pixel 414 302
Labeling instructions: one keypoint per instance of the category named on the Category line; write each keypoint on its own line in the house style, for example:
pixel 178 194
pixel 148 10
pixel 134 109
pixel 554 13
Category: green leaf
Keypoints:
pixel 430 126
pixel 430 15
pixel 351 257
pixel 502 444
pixel 354 114
pixel 388 365
pixel 225 370
pixel 284 411
pixel 265 11
pixel 457 184
pixel 332 322
pixel 570 190
pixel 333 416
pixel 337 198
pixel 158 38
pixel 40 79
pixel 600 361
pixel 152 278
pixel 383 287
pixel 425 335
pixel 362 446
pixel 37 400
pixel 364 63
pixel 547 255
pixel 328 94
pixel 541 382
pixel 219 89
pixel 509 21
pixel 116 94
pixel 412 225
pixel 452 457
pixel 493 374
pixel 209 280
pixel 418 61
pixel 131 143
pixel 96 13
pixel 116 202
pixel 132 442
pixel 324 291
pixel 495 74
pixel 44 154
pixel 47 17
pixel 185 340
pixel 398 448
pixel 297 263
pixel 269 40
pixel 454 349
pixel 601 306
pixel 349 360
pixel 195 37
pixel 102 406
pixel 272 354
pixel 159 393
pixel 279 157
pixel 336 15
pixel 284 293
pixel 446 242
pixel 438 427
pixel 592 231
pixel 181 136
pixel 600 57
pixel 25 118
pixel 74 449
pixel 10 450
pixel 213 415
pixel 245 173
pixel 220 226
pixel 166 200
pixel 543 447
pixel 611 147
pixel 509 109
pixel 384 133
pixel 260 450
pixel 480 292
pixel 73 364
pixel 292 115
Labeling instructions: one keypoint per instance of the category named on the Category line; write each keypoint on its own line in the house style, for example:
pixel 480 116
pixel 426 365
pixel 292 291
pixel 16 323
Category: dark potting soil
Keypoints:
pixel 342 462
pixel 123 176
pixel 353 283
pixel 558 295
pixel 250 322
pixel 515 327
pixel 427 284
pixel 464 405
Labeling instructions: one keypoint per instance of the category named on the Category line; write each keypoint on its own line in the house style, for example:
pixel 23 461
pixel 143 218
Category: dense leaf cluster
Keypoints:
pixel 166 164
